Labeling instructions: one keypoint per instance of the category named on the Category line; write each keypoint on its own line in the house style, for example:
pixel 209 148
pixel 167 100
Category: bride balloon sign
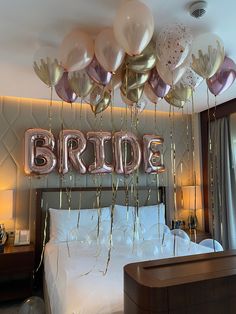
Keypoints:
pixel 42 156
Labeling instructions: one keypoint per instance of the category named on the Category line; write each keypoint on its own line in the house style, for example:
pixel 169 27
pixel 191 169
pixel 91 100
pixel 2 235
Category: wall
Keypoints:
pixel 17 115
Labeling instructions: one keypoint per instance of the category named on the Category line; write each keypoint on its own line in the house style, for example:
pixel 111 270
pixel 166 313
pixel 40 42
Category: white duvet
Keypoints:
pixel 75 280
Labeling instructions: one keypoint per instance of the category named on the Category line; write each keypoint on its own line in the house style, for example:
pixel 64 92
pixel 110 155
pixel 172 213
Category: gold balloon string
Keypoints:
pixel 112 104
pixel 173 159
pixel 155 119
pixel 80 109
pixel 211 176
pixel 101 121
pixel 194 166
pixel 98 206
pixel 79 209
pixel 50 110
pixel 44 241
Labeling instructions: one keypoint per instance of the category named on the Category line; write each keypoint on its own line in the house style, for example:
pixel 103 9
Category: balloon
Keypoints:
pixel 126 100
pixel 107 51
pixel 72 144
pixel 133 80
pixel 100 99
pixel 32 305
pixel 100 165
pixel 151 154
pixel 182 92
pixel 80 83
pixel 223 78
pixel 76 51
pixel 148 91
pixel 39 157
pixel 115 80
pixel 64 90
pixel 47 67
pixel 159 87
pixel 133 95
pixel 207 55
pixel 98 74
pixel 133 27
pixel 122 163
pixel 143 62
pixel 171 77
pixel 173 45
pixel 191 79
pixel 174 101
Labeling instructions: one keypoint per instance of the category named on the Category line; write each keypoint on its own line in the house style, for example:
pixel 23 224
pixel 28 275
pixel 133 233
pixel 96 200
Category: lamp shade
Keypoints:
pixel 189 193
pixel 6 204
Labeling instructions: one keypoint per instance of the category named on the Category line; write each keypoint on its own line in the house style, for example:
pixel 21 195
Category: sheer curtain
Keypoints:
pixel 222 184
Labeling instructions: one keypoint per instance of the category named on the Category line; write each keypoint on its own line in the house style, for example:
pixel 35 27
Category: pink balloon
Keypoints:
pixel 97 73
pixel 123 166
pixel 64 91
pixel 223 78
pixel 39 157
pixel 76 51
pixel 151 154
pixel 100 165
pixel 72 144
pixel 159 87
pixel 107 51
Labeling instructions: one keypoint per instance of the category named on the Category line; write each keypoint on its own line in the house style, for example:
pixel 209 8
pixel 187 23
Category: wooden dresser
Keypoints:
pixel 197 284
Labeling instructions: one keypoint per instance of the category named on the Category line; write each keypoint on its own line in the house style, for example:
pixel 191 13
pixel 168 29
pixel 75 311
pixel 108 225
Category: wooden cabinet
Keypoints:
pixel 16 272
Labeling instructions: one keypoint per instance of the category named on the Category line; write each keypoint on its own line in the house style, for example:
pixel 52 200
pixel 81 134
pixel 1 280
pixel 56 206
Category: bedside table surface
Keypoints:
pixel 11 249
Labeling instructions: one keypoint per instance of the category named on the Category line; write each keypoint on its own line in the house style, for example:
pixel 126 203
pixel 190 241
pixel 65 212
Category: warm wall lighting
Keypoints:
pixel 6 205
pixel 190 194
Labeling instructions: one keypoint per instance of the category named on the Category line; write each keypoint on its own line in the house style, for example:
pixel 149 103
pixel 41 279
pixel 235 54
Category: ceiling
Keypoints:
pixel 27 25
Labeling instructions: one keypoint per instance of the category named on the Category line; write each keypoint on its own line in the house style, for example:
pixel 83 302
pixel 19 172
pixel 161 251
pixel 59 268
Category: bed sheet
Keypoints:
pixel 74 273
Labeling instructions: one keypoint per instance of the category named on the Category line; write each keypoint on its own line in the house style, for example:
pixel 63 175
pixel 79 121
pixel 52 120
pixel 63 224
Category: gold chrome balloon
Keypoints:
pixel 133 95
pixel 49 71
pixel 143 62
pixel 80 83
pixel 174 101
pixel 100 99
pixel 181 92
pixel 132 80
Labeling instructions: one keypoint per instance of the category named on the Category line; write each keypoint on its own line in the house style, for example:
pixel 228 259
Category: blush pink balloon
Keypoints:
pixel 64 91
pixel 121 165
pixel 159 87
pixel 71 143
pixel 97 73
pixel 100 164
pixel 39 156
pixel 223 78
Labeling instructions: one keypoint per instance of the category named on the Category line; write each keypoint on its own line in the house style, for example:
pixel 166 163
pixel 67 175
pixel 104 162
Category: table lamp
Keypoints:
pixel 192 201
pixel 6 213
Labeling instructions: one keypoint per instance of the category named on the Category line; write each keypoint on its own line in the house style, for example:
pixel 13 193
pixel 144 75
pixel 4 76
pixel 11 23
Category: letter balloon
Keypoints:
pixel 39 157
pixel 100 165
pixel 151 154
pixel 72 144
pixel 123 165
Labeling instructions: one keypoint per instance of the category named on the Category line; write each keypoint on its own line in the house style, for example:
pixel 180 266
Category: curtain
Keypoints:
pixel 222 185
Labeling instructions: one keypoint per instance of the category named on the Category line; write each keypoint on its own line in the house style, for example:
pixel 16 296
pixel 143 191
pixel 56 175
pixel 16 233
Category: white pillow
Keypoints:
pixel 64 221
pixel 123 216
pixel 152 214
pixel 61 222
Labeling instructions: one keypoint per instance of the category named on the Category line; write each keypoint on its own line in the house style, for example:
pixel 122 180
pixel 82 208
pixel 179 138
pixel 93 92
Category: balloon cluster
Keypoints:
pixel 128 57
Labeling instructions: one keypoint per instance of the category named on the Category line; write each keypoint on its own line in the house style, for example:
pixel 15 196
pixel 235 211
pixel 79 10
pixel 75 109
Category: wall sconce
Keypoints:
pixel 192 201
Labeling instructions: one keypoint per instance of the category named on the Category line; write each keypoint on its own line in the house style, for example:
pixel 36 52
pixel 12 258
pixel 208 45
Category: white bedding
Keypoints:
pixel 76 284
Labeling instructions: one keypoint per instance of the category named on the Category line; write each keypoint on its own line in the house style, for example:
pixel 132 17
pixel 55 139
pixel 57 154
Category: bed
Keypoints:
pixel 79 277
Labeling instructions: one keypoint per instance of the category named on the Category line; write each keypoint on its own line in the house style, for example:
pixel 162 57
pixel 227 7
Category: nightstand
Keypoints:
pixel 16 272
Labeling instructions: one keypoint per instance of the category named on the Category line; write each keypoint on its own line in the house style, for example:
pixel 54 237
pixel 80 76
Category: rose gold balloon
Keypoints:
pixel 151 154
pixel 39 157
pixel 99 139
pixel 72 144
pixel 107 51
pixel 133 27
pixel 76 51
pixel 122 165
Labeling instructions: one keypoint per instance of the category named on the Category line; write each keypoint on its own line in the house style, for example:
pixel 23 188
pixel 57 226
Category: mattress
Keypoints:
pixel 75 279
